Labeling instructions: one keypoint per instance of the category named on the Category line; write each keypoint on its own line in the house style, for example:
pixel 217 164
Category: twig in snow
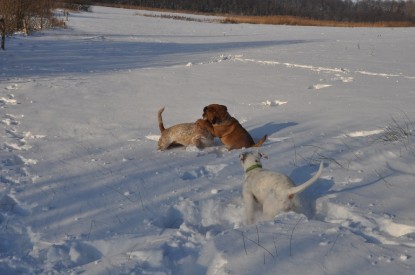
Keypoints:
pixel 257 232
pixel 295 154
pixel 141 199
pixel 131 252
pixel 90 228
pixel 115 190
pixel 335 240
pixel 387 184
pixel 258 244
pixel 319 156
pixel 275 246
pixel 243 238
pixel 292 233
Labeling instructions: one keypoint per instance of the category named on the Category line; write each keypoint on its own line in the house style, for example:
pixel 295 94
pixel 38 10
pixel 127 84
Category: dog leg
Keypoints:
pixel 271 208
pixel 162 144
pixel 197 141
pixel 249 202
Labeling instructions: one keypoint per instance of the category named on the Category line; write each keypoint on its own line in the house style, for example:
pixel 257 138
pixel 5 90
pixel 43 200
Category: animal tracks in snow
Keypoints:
pixel 340 75
pixel 319 86
pixel 372 226
pixel 14 171
pixel 272 103
pixel 12 87
pixel 362 133
pixel 208 171
pixel 14 166
pixel 11 119
pixel 8 100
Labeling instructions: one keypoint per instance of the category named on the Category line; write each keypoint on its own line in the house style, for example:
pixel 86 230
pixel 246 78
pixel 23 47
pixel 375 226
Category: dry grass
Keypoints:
pixel 270 20
pixel 299 21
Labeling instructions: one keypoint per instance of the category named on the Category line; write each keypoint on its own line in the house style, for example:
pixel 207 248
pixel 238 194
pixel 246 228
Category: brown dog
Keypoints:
pixel 184 134
pixel 222 125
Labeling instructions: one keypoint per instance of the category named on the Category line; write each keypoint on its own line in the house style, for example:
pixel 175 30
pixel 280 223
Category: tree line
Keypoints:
pixel 30 15
pixel 336 10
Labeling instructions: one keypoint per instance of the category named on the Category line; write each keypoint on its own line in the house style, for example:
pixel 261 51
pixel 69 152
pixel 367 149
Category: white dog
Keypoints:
pixel 273 191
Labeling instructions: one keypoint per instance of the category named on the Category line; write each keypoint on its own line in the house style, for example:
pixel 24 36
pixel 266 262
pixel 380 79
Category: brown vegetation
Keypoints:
pixel 28 15
pixel 298 21
pixel 325 10
pixel 268 20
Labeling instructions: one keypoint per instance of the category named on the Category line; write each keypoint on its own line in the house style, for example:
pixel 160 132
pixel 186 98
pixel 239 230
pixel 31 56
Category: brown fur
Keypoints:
pixel 183 134
pixel 222 125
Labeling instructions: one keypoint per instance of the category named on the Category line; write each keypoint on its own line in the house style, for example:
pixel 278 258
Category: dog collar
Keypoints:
pixel 255 166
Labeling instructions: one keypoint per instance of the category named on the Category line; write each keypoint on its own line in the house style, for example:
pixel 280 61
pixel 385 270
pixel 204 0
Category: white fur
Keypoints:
pixel 272 191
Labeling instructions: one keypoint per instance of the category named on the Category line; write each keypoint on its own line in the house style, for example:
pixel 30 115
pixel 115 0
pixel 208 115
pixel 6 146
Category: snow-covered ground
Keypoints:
pixel 83 189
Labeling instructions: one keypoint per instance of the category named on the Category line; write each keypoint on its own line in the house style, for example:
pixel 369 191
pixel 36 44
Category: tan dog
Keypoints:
pixel 222 125
pixel 183 134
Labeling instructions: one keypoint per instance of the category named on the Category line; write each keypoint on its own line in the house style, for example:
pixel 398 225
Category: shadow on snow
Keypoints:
pixel 97 53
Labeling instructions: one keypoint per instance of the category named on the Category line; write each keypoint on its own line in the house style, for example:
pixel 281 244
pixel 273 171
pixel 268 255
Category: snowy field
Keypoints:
pixel 83 189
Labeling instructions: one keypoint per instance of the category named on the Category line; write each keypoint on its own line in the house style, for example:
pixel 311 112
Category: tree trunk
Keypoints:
pixel 3 33
pixel 26 26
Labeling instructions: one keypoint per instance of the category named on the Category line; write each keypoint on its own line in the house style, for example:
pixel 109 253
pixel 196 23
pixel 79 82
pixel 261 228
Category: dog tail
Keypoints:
pixel 160 120
pixel 260 142
pixel 305 185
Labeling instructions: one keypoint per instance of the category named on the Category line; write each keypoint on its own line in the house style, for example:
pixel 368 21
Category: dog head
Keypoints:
pixel 215 113
pixel 251 160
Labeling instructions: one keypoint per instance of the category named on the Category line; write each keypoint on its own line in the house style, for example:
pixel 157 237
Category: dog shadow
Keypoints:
pixel 309 197
pixel 270 129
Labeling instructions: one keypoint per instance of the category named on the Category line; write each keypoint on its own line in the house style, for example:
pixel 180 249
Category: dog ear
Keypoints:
pixel 261 155
pixel 242 157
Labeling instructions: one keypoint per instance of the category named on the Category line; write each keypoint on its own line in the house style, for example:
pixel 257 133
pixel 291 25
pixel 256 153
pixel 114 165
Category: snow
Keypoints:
pixel 84 190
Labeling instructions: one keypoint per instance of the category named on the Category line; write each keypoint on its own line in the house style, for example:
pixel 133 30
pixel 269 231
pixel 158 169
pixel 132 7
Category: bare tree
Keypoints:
pixel 26 15
pixel 3 33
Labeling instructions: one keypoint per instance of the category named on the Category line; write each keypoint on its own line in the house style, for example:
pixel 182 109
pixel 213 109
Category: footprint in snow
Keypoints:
pixel 344 79
pixel 153 137
pixel 9 122
pixel 364 133
pixel 374 226
pixel 208 171
pixel 8 100
pixel 13 133
pixel 20 145
pixel 8 204
pixel 173 219
pixel 12 87
pixel 10 119
pixel 273 103
pixel 319 86
pixel 71 254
